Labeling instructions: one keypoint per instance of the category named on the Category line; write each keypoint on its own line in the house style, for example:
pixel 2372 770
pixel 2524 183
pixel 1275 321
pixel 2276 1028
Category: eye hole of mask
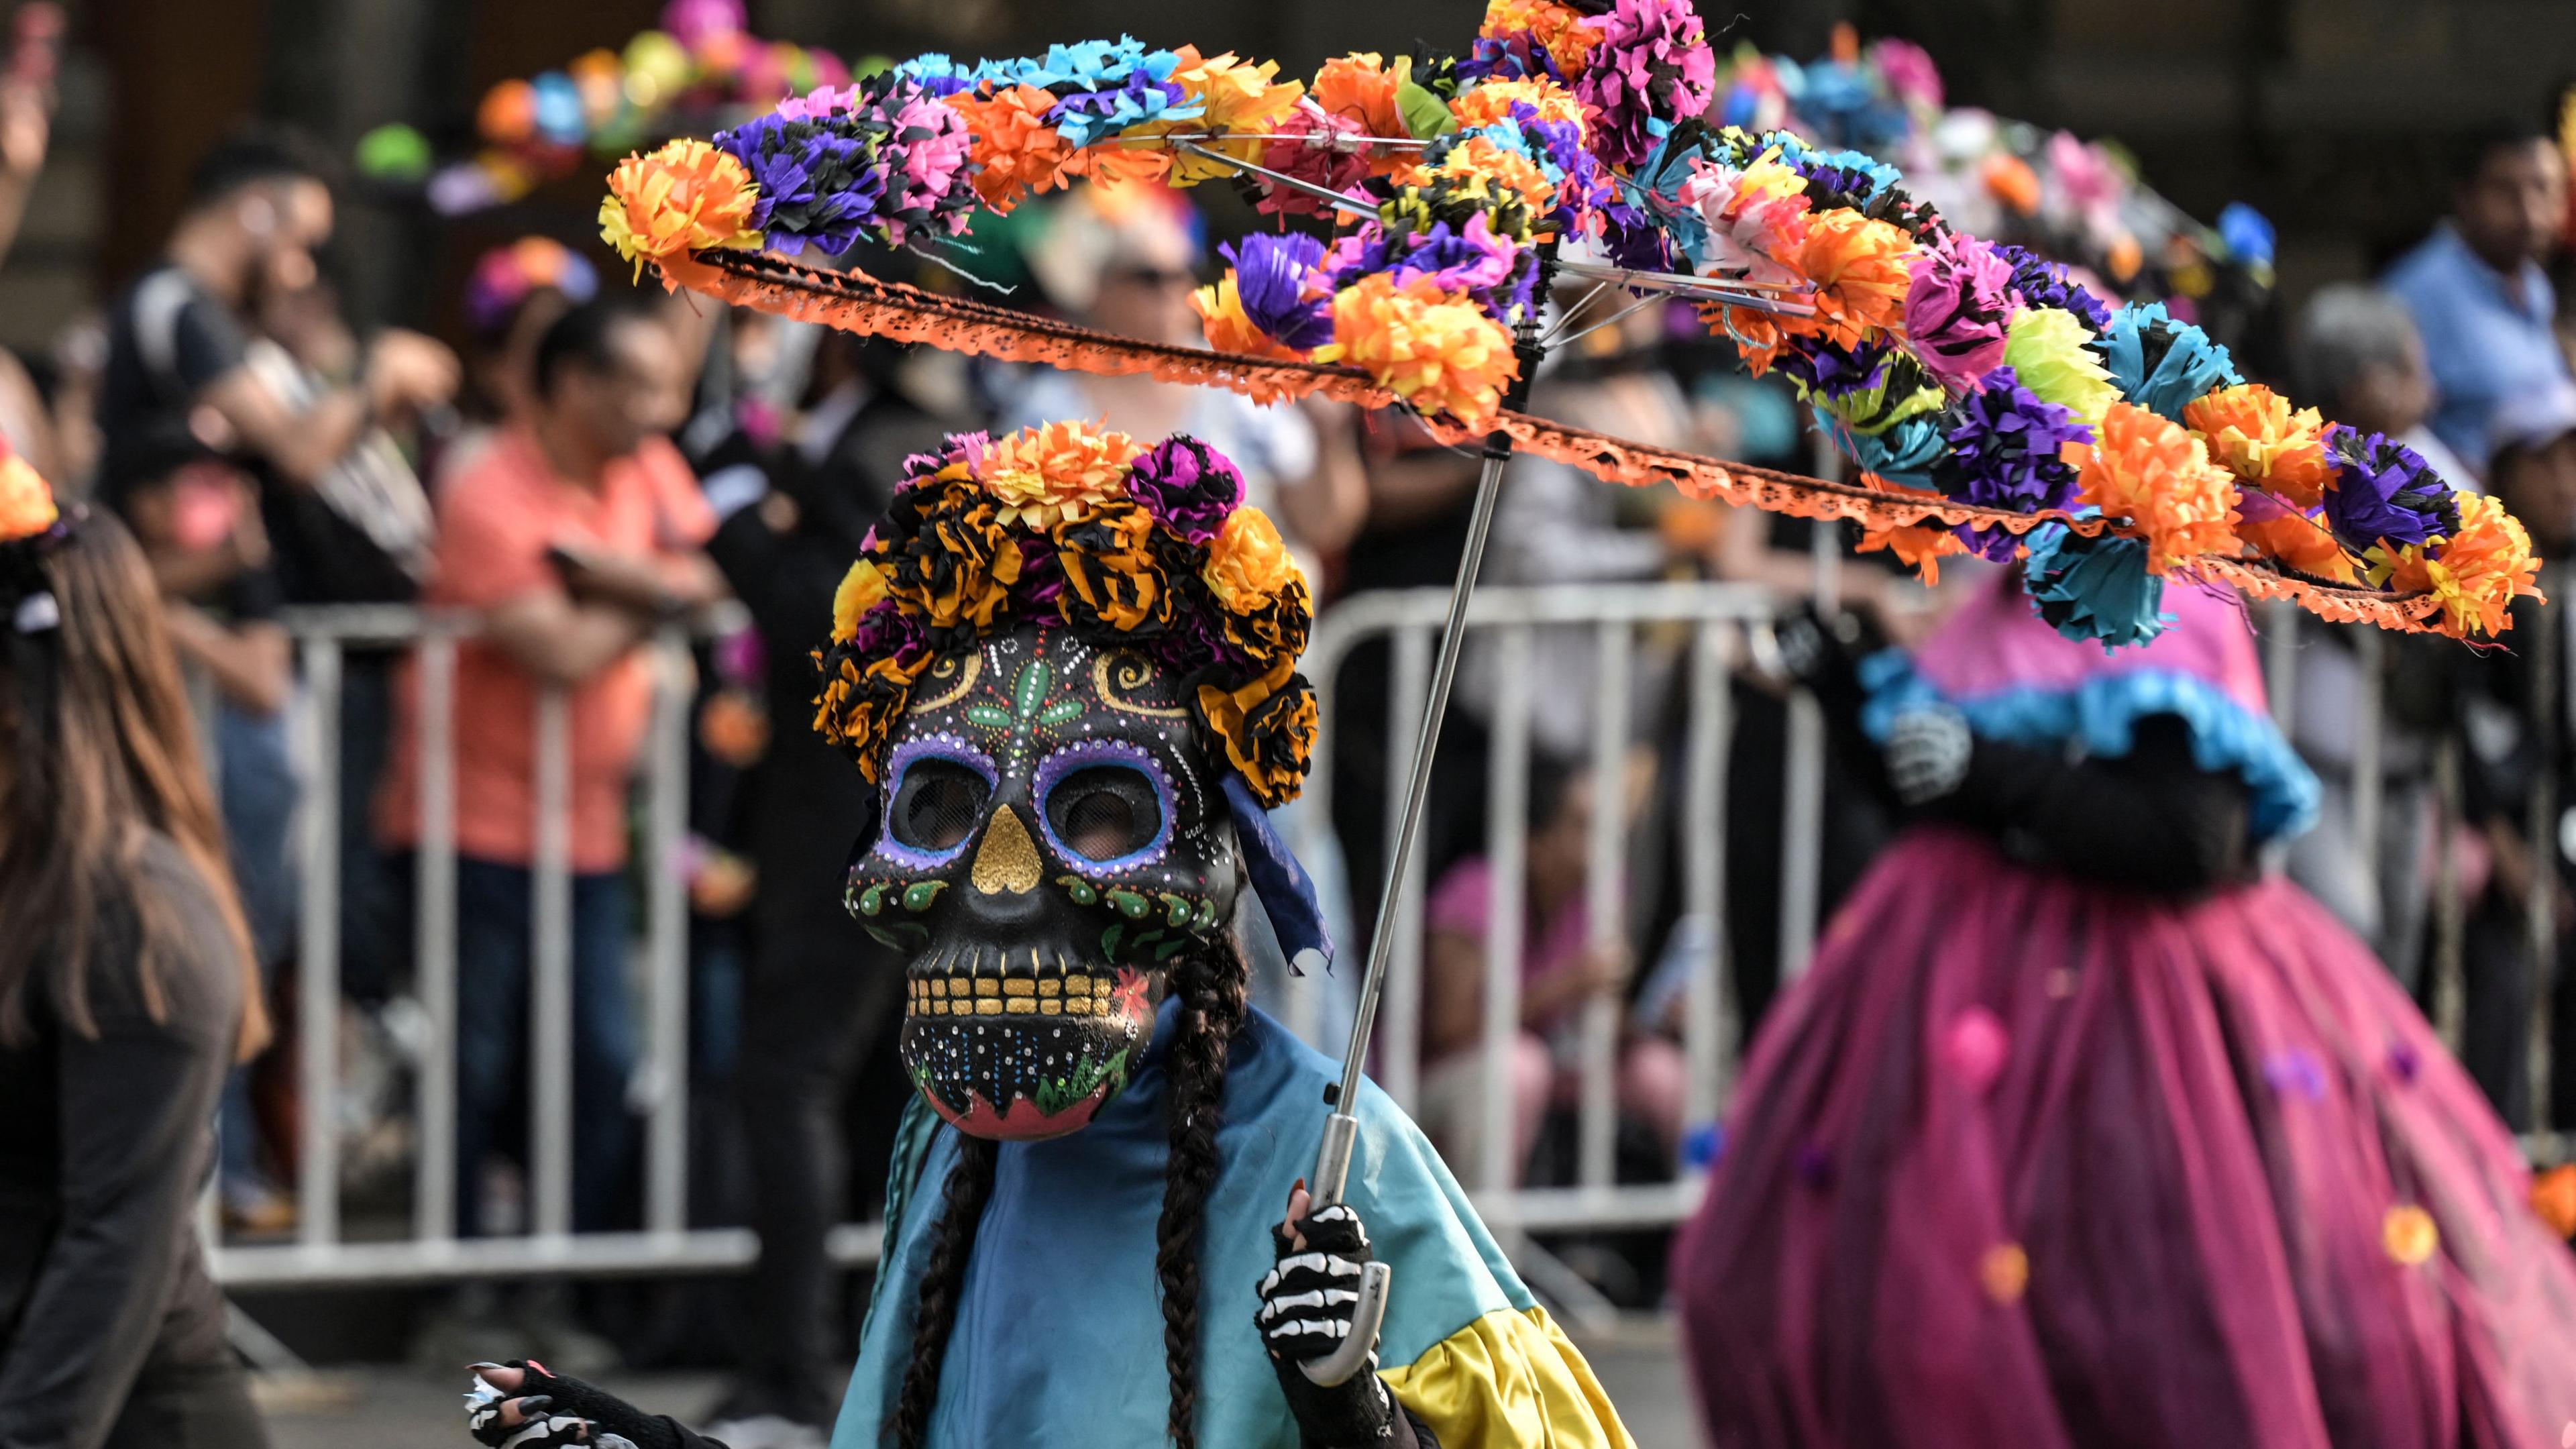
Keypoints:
pixel 1101 812
pixel 939 804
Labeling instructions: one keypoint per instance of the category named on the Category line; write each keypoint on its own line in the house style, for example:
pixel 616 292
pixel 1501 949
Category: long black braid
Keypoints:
pixel 1210 986
pixel 961 1212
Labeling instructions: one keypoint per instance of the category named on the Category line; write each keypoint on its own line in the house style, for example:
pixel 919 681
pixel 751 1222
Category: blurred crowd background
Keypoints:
pixel 305 385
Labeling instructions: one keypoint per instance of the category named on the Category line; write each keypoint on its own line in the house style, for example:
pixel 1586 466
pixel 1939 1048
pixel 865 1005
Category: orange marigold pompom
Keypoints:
pixel 1248 564
pixel 2476 573
pixel 686 197
pixel 1016 153
pixel 2251 432
pixel 1359 87
pixel 26 504
pixel 1862 268
pixel 1057 472
pixel 2157 475
pixel 1440 353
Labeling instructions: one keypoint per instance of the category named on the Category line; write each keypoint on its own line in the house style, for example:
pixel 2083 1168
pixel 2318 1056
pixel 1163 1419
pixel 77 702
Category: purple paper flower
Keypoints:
pixel 1653 65
pixel 1187 486
pixel 818 183
pixel 1828 372
pixel 885 632
pixel 2007 451
pixel 1957 309
pixel 1500 276
pixel 2383 490
pixel 921 155
pixel 2043 283
pixel 1270 276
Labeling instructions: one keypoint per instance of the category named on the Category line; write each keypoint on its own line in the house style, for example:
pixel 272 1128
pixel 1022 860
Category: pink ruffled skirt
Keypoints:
pixel 2025 1163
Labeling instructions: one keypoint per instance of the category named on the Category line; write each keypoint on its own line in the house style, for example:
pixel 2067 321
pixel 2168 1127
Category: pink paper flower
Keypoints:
pixel 1653 65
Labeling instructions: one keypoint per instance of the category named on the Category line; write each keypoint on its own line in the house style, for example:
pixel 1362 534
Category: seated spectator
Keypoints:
pixel 1561 969
pixel 197 519
pixel 572 538
pixel 2477 288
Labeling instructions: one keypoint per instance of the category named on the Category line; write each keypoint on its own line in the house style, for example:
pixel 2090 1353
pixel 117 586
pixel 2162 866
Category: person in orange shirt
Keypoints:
pixel 572 536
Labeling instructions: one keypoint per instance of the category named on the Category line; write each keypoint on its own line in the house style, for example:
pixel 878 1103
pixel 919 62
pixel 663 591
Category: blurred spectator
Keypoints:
pixel 1561 969
pixel 2355 354
pixel 820 1000
pixel 572 538
pixel 2477 288
pixel 197 519
pixel 26 132
pixel 515 293
pixel 1125 260
pixel 125 996
pixel 2522 778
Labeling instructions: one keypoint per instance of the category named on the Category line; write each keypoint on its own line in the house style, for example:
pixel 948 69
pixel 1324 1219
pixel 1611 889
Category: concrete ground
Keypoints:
pixel 399 1408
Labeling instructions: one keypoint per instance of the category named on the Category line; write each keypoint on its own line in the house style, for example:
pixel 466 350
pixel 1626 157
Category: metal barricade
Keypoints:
pixel 1721 623
pixel 427 1247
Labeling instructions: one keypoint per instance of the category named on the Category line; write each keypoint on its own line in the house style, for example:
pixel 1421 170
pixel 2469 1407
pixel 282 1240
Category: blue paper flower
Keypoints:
pixel 2007 450
pixel 1903 455
pixel 2160 364
pixel 2094 588
pixel 2043 283
pixel 2247 233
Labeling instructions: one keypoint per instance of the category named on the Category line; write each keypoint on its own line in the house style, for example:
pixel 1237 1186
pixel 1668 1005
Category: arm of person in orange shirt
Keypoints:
pixel 560 641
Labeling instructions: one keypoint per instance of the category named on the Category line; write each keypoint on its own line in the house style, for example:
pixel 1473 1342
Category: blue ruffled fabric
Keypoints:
pixel 2101 714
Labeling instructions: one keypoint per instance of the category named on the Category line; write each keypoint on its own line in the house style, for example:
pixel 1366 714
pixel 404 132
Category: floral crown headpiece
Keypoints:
pixel 1143 548
pixel 30 525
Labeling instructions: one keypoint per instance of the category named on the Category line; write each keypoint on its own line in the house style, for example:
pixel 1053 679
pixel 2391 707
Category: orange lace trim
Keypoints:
pixel 855 302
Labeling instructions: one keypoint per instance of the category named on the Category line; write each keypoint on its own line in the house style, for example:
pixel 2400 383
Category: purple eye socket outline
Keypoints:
pixel 1081 755
pixel 940 748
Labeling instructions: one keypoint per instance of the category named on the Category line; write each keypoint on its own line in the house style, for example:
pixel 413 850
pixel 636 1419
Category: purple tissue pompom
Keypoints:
pixel 2007 451
pixel 1654 64
pixel 1957 308
pixel 2043 283
pixel 1187 486
pixel 2384 491
pixel 1270 275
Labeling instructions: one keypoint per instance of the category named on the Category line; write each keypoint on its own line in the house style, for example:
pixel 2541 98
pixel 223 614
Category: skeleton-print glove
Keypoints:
pixel 547 1410
pixel 1306 1306
pixel 1927 753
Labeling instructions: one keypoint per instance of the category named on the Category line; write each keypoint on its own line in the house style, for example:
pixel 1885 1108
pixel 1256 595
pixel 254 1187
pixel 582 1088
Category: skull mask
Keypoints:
pixel 1051 834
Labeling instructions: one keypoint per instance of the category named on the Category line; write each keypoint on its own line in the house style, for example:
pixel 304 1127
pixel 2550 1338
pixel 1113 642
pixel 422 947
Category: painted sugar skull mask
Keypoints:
pixel 1069 664
pixel 1051 835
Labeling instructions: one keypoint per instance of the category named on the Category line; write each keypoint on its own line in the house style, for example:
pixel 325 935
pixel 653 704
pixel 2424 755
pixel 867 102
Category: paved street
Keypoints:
pixel 394 1408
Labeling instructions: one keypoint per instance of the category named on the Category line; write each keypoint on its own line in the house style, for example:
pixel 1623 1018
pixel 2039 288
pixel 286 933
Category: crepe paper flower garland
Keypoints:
pixel 1134 547
pixel 1955 372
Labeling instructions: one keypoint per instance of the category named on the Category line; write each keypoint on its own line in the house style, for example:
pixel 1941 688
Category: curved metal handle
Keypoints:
pixel 1337 1368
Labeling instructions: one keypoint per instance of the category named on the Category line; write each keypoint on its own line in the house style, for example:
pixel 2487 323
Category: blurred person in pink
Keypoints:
pixel 1562 968
pixel 572 538
pixel 2082 1129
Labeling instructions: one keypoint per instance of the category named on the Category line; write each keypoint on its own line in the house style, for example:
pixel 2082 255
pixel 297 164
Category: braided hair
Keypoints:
pixel 1210 985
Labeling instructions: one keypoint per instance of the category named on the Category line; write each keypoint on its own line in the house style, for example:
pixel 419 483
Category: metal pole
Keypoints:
pixel 1802 824
pixel 1498 1167
pixel 666 1196
pixel 434 868
pixel 1709 1025
pixel 2450 913
pixel 318 965
pixel 1606 920
pixel 2369 784
pixel 1400 1060
pixel 550 1087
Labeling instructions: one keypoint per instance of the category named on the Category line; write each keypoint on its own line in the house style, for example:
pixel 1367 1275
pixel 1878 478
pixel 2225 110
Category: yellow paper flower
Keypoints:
pixel 2045 348
pixel 1056 472
pixel 2476 573
pixel 1111 573
pixel 26 504
pixel 2152 472
pixel 2409 1235
pixel 1268 726
pixel 1235 97
pixel 1248 565
pixel 1220 309
pixel 860 704
pixel 1439 353
pixel 2251 432
pixel 862 588
pixel 1485 104
pixel 686 197
pixel 1499 169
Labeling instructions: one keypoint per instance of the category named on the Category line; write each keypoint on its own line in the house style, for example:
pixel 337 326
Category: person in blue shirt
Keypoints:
pixel 2476 285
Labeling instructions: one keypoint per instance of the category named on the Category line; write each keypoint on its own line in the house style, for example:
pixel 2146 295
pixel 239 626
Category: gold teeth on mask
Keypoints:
pixel 981 987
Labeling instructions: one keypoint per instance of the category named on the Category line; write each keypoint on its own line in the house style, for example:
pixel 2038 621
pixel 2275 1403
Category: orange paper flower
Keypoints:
pixel 1555 26
pixel 686 197
pixel 1057 472
pixel 1360 88
pixel 1862 268
pixel 2476 573
pixel 1918 546
pixel 1483 105
pixel 1248 566
pixel 2553 1197
pixel 1440 353
pixel 2010 180
pixel 2295 539
pixel 2158 476
pixel 26 504
pixel 2251 432
pixel 1016 152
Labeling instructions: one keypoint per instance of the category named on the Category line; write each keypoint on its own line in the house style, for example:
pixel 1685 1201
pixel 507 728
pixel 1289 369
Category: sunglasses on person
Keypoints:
pixel 1141 276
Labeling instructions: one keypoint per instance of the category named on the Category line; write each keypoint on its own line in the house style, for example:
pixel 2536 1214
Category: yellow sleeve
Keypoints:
pixel 1509 1379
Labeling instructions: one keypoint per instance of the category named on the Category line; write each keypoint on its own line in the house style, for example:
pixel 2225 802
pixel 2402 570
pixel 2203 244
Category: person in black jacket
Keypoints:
pixel 126 994
pixel 820 999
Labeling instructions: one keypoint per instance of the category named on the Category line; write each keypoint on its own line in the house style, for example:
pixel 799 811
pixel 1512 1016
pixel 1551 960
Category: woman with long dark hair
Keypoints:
pixel 125 974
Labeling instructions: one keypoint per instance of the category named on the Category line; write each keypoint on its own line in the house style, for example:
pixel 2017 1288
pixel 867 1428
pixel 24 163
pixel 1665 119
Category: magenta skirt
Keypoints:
pixel 2024 1164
